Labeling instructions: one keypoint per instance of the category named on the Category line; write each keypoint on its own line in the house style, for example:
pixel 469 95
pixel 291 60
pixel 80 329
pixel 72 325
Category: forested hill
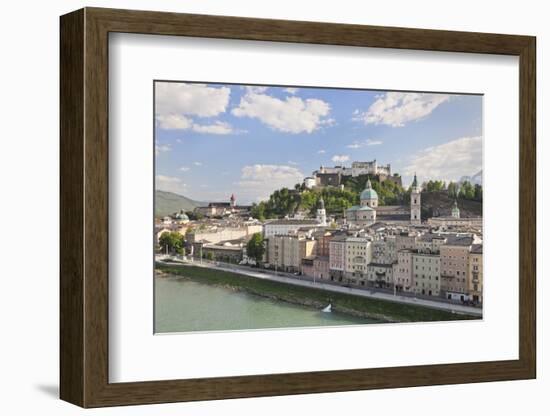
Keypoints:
pixel 440 203
pixel 437 198
pixel 286 201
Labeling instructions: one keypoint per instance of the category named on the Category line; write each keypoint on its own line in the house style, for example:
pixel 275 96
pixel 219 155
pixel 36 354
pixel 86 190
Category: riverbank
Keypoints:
pixel 379 310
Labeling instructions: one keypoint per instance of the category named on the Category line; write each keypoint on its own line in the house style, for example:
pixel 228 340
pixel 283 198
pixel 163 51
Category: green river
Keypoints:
pixel 182 305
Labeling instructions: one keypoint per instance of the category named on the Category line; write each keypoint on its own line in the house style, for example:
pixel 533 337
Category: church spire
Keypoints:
pixel 369 184
pixel 415 182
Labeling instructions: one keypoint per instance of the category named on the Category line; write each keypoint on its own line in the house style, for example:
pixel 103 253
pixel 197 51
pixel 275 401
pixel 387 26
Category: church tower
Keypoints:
pixel 455 212
pixel 415 202
pixel 321 213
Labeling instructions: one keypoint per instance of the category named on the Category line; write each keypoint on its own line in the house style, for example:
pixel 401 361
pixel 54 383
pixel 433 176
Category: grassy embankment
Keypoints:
pixel 381 310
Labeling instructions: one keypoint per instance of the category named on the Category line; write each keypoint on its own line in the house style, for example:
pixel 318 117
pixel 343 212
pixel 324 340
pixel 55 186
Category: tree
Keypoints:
pixel 194 215
pixel 452 189
pixel 258 211
pixel 433 186
pixel 467 191
pixel 478 193
pixel 171 242
pixel 255 247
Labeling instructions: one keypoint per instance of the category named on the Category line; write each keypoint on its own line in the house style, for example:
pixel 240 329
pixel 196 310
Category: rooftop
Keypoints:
pixel 389 208
pixel 360 208
pixel 288 221
pixel 430 237
pixel 477 248
pixel 459 240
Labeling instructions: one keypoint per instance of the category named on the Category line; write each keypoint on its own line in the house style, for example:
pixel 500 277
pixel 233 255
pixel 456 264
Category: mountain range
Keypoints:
pixel 167 203
pixel 476 179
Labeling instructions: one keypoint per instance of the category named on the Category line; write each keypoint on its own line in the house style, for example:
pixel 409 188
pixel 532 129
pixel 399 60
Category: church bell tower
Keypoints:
pixel 321 213
pixel 415 202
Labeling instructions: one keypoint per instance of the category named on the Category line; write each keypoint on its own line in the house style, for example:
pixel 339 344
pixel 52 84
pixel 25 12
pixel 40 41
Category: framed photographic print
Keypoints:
pixel 255 207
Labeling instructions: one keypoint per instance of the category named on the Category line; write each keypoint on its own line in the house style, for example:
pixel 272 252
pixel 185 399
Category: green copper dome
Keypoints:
pixel 182 216
pixel 368 192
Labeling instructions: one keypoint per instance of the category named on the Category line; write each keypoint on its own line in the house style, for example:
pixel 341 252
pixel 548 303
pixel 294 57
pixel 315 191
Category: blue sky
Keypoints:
pixel 213 140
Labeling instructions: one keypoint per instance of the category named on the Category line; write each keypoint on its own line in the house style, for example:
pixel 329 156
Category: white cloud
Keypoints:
pixel 162 148
pixel 448 161
pixel 362 143
pixel 291 162
pixel 292 115
pixel 179 122
pixel 252 89
pixel 321 151
pixel 190 99
pixel 174 122
pixel 399 108
pixel 218 127
pixel 259 181
pixel 340 158
pixel 291 90
pixel 177 104
pixel 170 184
pixel 185 168
pixel 197 163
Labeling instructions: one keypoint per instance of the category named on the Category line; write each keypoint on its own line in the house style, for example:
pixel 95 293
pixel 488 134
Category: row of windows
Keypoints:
pixel 424 267
pixel 424 259
pixel 424 276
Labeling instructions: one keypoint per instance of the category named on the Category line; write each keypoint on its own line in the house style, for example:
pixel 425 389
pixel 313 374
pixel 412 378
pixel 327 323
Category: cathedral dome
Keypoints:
pixel 181 216
pixel 369 193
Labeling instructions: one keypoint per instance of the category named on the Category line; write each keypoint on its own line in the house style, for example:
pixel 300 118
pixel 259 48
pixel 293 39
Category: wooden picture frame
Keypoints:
pixel 84 207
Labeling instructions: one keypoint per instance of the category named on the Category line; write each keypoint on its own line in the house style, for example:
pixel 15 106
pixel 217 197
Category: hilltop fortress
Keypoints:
pixel 333 176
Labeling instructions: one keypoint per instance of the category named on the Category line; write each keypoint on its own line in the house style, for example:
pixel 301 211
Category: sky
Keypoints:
pixel 213 140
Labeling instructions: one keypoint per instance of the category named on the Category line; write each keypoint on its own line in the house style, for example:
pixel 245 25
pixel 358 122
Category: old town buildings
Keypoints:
pixel 422 262
pixel 387 248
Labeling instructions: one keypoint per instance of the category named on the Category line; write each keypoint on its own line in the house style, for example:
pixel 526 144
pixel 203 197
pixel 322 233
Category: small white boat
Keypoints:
pixel 328 308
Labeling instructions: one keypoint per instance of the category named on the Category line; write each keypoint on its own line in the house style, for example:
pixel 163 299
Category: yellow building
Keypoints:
pixel 426 274
pixel 358 254
pixel 285 252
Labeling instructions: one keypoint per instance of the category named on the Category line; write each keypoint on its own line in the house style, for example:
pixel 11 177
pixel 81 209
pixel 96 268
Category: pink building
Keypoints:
pixel 321 268
pixel 307 266
pixel 402 271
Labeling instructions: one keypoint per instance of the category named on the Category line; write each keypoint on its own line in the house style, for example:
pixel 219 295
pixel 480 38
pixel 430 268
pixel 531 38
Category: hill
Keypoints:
pixel 168 202
pixel 476 179
pixel 440 204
